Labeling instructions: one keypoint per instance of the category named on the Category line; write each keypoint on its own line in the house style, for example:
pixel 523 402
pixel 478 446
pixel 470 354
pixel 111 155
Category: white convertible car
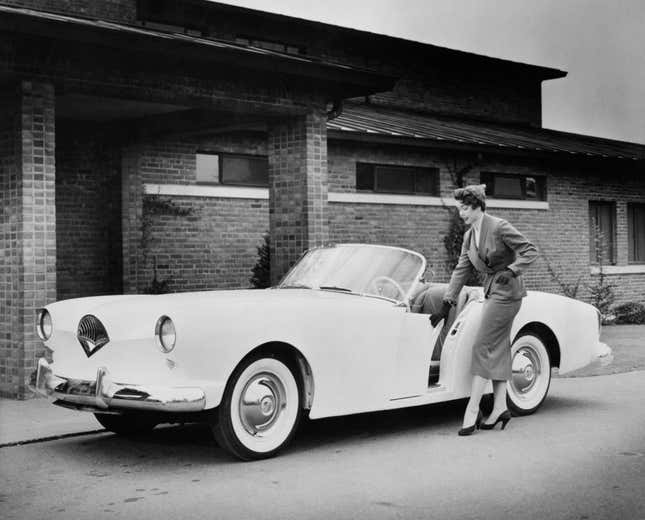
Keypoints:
pixel 346 331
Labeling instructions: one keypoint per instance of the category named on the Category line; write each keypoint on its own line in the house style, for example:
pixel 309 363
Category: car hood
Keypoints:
pixel 134 316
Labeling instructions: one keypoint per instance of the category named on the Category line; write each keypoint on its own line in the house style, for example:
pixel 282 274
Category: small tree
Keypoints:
pixel 157 286
pixel 568 289
pixel 261 278
pixel 602 292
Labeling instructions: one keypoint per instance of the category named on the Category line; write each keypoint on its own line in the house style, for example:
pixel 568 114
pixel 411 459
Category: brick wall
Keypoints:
pixel 561 232
pixel 11 258
pixel 207 243
pixel 116 10
pixel 298 189
pixel 88 203
pixel 213 244
pixel 28 278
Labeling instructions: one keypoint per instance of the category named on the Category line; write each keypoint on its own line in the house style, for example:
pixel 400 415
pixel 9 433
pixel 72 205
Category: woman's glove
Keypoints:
pixel 505 276
pixel 441 315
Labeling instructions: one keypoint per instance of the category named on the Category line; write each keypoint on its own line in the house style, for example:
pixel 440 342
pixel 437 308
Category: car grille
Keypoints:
pixel 91 334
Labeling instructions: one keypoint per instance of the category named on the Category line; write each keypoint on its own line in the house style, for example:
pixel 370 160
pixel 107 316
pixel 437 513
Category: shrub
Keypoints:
pixel 261 278
pixel 631 312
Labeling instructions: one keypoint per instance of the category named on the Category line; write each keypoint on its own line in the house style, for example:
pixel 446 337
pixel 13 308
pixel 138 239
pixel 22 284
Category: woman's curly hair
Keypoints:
pixel 473 196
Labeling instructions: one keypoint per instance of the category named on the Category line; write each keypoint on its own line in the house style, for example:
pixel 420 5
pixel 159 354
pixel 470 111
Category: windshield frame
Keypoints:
pixel 416 279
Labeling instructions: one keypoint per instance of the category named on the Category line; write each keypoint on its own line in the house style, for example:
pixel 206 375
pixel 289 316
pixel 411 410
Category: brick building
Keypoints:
pixel 156 136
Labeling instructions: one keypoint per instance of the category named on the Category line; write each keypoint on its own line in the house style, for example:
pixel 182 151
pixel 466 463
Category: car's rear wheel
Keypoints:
pixel 126 424
pixel 260 409
pixel 531 374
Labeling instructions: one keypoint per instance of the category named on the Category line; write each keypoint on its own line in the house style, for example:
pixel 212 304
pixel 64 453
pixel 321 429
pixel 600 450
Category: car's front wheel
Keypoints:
pixel 126 424
pixel 260 409
pixel 531 374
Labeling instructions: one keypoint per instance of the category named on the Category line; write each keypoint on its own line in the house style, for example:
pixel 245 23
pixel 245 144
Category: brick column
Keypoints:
pixel 28 227
pixel 131 218
pixel 297 189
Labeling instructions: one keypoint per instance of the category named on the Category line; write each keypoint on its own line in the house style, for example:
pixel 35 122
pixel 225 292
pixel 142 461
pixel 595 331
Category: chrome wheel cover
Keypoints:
pixel 263 399
pixel 527 369
pixel 531 372
pixel 264 405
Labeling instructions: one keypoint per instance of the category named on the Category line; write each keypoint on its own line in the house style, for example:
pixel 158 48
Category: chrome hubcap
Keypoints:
pixel 262 400
pixel 526 370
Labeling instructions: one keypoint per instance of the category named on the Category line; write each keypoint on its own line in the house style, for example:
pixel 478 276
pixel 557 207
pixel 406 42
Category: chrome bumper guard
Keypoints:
pixel 104 395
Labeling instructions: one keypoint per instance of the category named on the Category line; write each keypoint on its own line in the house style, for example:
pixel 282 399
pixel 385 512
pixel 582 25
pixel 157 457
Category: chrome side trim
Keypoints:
pixel 103 394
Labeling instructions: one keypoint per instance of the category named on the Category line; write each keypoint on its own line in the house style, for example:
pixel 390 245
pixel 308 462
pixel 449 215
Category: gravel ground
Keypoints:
pixel 628 345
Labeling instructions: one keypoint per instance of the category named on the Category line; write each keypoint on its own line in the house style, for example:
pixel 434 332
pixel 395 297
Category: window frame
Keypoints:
pixel 632 250
pixel 433 171
pixel 488 178
pixel 220 158
pixel 592 249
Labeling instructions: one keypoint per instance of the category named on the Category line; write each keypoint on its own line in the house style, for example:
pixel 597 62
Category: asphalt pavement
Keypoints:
pixel 581 457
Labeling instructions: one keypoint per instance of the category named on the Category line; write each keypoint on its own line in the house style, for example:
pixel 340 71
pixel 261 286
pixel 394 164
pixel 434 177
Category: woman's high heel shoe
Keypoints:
pixel 503 417
pixel 469 430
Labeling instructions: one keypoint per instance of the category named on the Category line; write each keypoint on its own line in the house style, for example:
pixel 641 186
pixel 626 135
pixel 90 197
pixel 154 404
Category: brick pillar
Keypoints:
pixel 131 222
pixel 28 227
pixel 297 189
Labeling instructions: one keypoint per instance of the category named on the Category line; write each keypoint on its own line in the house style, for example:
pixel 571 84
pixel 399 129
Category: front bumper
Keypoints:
pixel 104 395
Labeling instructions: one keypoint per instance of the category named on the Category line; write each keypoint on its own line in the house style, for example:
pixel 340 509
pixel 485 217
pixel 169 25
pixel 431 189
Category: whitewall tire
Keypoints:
pixel 260 409
pixel 531 374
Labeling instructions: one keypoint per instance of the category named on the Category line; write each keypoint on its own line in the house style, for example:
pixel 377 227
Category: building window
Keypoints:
pixel 602 232
pixel 521 187
pixel 408 180
pixel 636 233
pixel 232 169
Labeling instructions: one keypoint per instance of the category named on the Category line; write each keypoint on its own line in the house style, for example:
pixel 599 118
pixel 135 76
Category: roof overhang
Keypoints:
pixel 341 80
pixel 386 125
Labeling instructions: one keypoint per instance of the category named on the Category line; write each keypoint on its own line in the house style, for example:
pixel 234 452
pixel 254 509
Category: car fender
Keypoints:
pixel 574 324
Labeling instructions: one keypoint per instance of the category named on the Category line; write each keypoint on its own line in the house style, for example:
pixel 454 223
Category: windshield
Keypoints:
pixel 387 272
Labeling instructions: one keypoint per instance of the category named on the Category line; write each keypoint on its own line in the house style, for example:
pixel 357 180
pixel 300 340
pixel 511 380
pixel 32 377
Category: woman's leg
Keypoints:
pixel 472 409
pixel 499 401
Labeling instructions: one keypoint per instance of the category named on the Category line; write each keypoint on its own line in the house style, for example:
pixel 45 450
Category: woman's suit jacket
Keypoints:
pixel 500 247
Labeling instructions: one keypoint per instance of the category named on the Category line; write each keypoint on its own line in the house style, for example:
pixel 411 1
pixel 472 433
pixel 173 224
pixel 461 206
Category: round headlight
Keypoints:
pixel 165 334
pixel 44 324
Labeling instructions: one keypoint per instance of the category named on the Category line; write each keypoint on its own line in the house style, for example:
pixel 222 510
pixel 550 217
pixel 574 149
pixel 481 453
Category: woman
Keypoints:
pixel 500 253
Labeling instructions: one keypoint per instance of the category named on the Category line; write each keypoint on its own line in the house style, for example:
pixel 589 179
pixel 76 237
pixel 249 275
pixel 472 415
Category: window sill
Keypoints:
pixel 420 200
pixel 204 190
pixel 248 192
pixel 619 269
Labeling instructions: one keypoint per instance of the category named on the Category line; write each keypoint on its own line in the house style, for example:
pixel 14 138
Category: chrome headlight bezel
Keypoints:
pixel 165 334
pixel 44 326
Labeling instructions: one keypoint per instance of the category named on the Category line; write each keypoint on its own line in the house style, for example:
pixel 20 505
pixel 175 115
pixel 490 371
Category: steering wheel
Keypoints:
pixel 375 286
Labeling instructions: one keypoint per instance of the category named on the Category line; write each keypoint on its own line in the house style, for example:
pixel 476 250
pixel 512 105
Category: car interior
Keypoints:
pixel 428 300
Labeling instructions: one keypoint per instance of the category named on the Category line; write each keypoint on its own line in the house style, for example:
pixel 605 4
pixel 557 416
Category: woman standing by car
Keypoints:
pixel 499 253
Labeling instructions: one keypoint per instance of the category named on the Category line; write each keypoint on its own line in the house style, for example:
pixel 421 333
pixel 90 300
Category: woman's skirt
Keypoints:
pixel 492 347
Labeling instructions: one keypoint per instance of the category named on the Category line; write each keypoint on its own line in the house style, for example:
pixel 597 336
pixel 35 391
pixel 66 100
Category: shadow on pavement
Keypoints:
pixel 170 446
